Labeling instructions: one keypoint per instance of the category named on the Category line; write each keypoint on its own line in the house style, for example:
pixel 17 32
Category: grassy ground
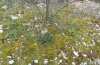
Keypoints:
pixel 70 38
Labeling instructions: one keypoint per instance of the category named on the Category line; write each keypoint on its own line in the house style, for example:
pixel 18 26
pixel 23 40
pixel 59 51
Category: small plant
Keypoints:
pixel 70 32
pixel 12 35
pixel 45 38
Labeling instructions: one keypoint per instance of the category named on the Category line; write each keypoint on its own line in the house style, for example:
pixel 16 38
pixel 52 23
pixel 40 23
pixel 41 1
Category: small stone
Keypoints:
pixel 73 63
pixel 4 7
pixel 76 53
pixel 8 56
pixel 55 58
pixel 35 61
pixel 29 64
pixel 45 61
pixel 84 55
pixel 13 17
pixel 1 31
pixel 60 61
pixel 11 62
